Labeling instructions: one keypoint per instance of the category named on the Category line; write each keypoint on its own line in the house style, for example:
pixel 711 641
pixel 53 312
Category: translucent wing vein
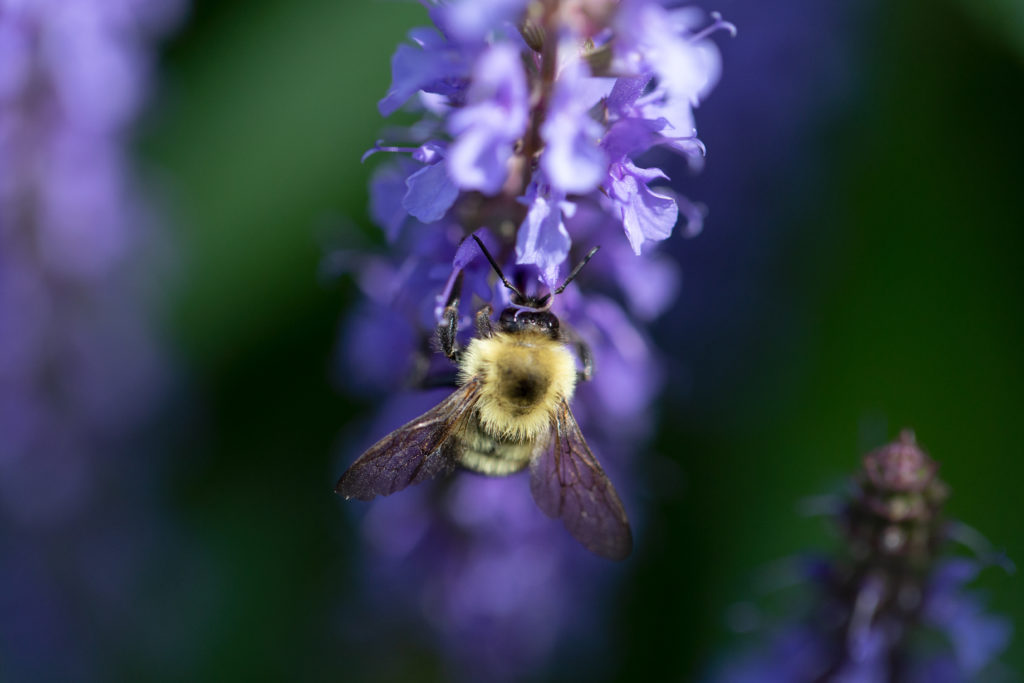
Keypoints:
pixel 413 453
pixel 567 482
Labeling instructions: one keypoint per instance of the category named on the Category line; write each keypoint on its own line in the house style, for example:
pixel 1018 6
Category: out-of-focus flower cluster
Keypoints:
pixel 532 122
pixel 894 606
pixel 75 352
pixel 79 368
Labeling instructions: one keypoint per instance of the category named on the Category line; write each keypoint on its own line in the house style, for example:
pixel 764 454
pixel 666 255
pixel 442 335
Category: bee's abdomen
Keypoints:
pixel 493 456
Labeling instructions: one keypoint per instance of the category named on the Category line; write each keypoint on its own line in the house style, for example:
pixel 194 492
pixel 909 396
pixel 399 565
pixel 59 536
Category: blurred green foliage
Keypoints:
pixel 912 317
pixel 1004 18
pixel 261 126
pixel 265 110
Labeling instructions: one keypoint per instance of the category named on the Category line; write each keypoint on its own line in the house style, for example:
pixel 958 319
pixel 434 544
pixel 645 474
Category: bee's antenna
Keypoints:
pixel 494 264
pixel 576 271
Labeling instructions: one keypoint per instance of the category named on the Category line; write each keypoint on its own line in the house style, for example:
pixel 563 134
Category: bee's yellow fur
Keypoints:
pixel 524 376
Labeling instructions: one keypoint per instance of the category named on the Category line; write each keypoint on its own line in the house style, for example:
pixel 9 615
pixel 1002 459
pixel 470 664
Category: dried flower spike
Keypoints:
pixel 875 605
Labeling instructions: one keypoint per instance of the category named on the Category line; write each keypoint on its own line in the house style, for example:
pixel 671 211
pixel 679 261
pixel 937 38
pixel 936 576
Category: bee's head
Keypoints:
pixel 527 312
pixel 521 319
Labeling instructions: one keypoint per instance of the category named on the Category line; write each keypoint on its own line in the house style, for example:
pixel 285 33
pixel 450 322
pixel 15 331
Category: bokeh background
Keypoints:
pixel 860 271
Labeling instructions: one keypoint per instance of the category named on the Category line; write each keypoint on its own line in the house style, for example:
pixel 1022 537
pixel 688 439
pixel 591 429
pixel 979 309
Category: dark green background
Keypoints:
pixel 894 300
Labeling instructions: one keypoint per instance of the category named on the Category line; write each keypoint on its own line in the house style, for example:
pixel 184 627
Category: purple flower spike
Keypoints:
pixel 502 90
pixel 493 119
pixel 532 117
pixel 645 214
pixel 542 239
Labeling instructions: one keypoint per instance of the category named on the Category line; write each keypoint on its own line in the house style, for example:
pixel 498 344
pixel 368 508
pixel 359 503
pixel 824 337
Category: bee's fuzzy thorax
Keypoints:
pixel 524 376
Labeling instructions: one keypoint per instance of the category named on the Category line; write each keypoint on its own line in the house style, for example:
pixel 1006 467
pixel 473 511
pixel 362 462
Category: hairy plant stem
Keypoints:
pixel 532 142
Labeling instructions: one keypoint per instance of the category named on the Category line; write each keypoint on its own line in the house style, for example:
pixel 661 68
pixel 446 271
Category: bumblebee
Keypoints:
pixel 510 411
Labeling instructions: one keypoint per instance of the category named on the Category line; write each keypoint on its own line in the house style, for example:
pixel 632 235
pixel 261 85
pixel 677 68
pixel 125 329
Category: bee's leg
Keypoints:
pixel 484 328
pixel 571 336
pixel 448 329
pixel 587 358
pixel 447 332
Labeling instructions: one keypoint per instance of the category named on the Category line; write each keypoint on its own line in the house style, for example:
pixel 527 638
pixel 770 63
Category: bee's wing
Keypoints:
pixel 567 482
pixel 413 453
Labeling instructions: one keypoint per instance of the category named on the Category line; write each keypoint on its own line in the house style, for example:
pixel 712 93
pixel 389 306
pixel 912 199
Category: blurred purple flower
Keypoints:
pixel 75 350
pixel 892 586
pixel 470 21
pixel 977 637
pixel 491 121
pixel 573 160
pixel 497 582
pixel 430 190
pixel 652 39
pixel 80 370
pixel 433 66
pixel 387 182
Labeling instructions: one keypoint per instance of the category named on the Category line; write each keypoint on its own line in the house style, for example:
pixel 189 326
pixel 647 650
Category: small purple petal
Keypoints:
pixel 661 38
pixel 572 160
pixel 478 161
pixel 431 193
pixel 472 20
pixel 693 214
pixel 626 91
pixel 627 137
pixel 427 37
pixel 645 215
pixel 675 112
pixel 387 184
pixel 429 152
pixel 690 147
pixel 542 238
pixel 418 68
pixel 493 119
pixel 976 637
pixel 474 280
